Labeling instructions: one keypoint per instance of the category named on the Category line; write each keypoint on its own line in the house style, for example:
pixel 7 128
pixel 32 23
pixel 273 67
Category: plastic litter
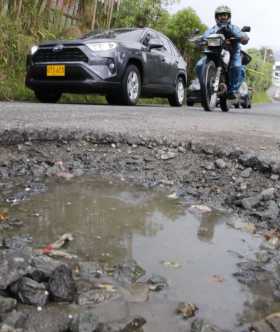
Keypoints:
pixel 52 248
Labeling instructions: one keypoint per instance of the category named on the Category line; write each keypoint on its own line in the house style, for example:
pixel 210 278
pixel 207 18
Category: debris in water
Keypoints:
pixel 4 216
pixel 172 264
pixel 201 208
pixel 216 279
pixel 51 249
pixel 173 196
pixel 186 310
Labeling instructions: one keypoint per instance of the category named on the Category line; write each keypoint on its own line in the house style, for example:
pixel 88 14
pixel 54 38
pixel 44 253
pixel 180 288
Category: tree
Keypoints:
pixel 267 54
pixel 259 73
pixel 140 13
pixel 180 28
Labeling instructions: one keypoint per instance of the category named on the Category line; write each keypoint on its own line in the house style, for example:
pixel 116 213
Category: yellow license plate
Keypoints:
pixel 55 70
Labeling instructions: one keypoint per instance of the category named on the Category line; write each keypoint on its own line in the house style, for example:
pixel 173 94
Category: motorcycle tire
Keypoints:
pixel 208 78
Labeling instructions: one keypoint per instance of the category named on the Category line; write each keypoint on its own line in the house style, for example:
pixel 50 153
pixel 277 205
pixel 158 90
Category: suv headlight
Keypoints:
pixel 214 42
pixel 99 47
pixel 34 49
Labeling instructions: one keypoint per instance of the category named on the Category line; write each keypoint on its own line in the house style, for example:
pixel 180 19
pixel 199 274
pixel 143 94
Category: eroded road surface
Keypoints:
pixel 257 128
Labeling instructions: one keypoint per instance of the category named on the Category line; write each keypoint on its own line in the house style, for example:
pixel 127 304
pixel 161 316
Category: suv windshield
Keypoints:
pixel 118 34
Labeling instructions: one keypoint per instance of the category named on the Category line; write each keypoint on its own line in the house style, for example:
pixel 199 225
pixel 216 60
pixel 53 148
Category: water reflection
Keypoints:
pixel 103 218
pixel 116 222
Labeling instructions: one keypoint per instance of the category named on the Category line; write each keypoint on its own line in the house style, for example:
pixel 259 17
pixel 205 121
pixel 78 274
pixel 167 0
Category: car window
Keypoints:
pixel 148 36
pixel 166 47
pixel 174 49
pixel 118 34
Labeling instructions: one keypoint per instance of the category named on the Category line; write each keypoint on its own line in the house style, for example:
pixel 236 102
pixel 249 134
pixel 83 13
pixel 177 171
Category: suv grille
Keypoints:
pixel 68 54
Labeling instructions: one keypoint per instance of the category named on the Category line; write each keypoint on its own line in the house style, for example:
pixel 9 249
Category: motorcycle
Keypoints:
pixel 214 78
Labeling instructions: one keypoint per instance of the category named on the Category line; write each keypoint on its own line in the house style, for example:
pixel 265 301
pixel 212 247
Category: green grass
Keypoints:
pixel 261 97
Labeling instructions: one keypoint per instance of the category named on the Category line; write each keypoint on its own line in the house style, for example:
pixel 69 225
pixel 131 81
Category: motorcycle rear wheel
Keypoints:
pixel 207 86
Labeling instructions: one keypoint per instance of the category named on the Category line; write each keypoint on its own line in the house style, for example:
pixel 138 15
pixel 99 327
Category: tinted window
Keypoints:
pixel 174 49
pixel 277 68
pixel 166 46
pixel 121 34
pixel 148 36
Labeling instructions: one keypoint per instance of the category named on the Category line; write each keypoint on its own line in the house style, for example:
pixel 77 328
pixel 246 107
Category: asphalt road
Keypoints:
pixel 253 129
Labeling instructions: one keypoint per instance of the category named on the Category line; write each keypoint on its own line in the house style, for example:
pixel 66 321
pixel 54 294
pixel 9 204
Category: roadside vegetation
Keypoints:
pixel 259 73
pixel 24 23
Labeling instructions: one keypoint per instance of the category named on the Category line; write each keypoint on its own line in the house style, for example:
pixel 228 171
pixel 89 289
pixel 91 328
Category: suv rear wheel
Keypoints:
pixel 47 97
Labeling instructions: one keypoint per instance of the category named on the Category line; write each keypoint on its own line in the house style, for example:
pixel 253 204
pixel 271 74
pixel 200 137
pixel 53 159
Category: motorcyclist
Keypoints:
pixel 223 20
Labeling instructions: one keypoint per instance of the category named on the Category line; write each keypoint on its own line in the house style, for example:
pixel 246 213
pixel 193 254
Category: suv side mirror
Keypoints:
pixel 246 29
pixel 155 43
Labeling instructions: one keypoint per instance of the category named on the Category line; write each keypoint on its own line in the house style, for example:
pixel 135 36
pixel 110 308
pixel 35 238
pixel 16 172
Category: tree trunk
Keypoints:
pixel 93 15
pixel 19 9
pixel 43 6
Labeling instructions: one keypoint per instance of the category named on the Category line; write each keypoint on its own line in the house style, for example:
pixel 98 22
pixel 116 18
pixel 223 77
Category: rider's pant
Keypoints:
pixel 236 72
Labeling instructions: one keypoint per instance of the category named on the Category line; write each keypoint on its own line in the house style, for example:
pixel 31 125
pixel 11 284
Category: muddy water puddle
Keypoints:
pixel 113 222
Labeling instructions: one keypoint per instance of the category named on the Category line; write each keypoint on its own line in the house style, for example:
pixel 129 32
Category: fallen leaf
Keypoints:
pixel 4 216
pixel 250 228
pixel 274 233
pixel 172 264
pixel 186 310
pixel 108 287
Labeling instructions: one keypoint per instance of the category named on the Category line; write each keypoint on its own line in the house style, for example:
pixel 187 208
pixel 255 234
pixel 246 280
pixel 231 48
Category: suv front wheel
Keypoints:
pixel 131 85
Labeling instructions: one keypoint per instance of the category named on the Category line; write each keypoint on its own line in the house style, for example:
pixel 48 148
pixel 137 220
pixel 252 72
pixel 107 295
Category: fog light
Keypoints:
pixel 112 66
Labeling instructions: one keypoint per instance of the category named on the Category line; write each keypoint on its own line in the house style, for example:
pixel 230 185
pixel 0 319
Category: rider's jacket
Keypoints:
pixel 230 31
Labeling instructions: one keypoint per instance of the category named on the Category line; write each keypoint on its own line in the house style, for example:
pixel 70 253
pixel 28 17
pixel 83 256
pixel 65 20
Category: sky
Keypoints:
pixel 262 15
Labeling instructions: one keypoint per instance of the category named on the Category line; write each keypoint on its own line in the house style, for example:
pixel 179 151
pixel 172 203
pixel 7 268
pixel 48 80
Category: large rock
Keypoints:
pixel 269 324
pixel 201 325
pixel 48 320
pixel 14 263
pixel 15 319
pixel 29 291
pixel 62 285
pixel 43 267
pixel 126 325
pixel 7 304
pixel 87 321
pixel 250 202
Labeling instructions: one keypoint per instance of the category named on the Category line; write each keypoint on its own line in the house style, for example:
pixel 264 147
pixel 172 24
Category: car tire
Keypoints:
pixel 131 86
pixel 179 96
pixel 47 97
